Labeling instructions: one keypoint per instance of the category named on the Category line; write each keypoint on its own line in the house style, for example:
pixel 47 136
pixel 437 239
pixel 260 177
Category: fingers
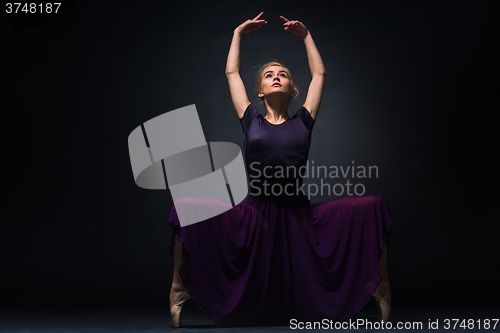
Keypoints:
pixel 258 16
pixel 257 21
pixel 289 23
pixel 257 24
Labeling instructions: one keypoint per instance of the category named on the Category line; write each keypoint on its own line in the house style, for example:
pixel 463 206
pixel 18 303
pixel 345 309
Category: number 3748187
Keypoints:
pixel 485 324
pixel 32 7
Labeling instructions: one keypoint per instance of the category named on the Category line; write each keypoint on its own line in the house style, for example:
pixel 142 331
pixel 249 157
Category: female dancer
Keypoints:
pixel 278 257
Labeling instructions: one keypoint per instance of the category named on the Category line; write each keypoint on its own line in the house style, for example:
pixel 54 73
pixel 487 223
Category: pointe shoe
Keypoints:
pixel 383 298
pixel 178 297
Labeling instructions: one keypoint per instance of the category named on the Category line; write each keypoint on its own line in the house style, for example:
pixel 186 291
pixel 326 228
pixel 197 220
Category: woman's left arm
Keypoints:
pixel 318 72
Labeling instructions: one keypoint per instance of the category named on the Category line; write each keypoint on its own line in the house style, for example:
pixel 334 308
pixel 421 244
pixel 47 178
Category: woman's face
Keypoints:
pixel 275 80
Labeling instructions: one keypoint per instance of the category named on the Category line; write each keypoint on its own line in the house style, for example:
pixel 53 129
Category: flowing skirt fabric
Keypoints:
pixel 266 262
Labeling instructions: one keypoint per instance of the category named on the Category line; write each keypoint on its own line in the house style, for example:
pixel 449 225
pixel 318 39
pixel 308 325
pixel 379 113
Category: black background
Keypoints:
pixel 412 87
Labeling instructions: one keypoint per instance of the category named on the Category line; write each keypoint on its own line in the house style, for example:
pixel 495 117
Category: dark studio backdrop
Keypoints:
pixel 412 87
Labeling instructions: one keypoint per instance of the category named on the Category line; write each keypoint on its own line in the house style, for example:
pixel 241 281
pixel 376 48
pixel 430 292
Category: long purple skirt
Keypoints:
pixel 266 262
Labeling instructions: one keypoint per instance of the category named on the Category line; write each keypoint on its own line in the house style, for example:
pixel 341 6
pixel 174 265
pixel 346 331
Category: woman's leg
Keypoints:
pixel 383 293
pixel 383 265
pixel 178 294
pixel 176 280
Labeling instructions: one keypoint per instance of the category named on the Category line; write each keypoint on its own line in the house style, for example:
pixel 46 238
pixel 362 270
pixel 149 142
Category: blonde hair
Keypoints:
pixel 260 73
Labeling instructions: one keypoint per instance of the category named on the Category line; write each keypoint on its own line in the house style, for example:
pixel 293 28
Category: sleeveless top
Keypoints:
pixel 276 155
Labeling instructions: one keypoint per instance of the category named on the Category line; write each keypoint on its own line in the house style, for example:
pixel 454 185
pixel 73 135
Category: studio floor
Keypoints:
pixel 107 321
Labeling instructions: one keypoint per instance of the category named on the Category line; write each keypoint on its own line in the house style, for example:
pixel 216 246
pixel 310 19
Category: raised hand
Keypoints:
pixel 251 25
pixel 296 28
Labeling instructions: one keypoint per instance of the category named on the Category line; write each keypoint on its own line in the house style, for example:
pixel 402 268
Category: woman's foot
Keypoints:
pixel 383 298
pixel 178 297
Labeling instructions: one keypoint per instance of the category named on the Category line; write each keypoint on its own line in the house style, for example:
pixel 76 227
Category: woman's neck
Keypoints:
pixel 276 110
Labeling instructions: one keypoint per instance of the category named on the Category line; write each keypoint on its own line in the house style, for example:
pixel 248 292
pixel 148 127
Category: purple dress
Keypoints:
pixel 278 257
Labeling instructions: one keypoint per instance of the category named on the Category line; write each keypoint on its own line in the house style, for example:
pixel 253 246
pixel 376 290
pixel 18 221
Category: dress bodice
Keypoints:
pixel 276 155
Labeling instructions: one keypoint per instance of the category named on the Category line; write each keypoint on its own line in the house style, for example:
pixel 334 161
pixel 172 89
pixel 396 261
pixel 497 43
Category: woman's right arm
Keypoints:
pixel 236 86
